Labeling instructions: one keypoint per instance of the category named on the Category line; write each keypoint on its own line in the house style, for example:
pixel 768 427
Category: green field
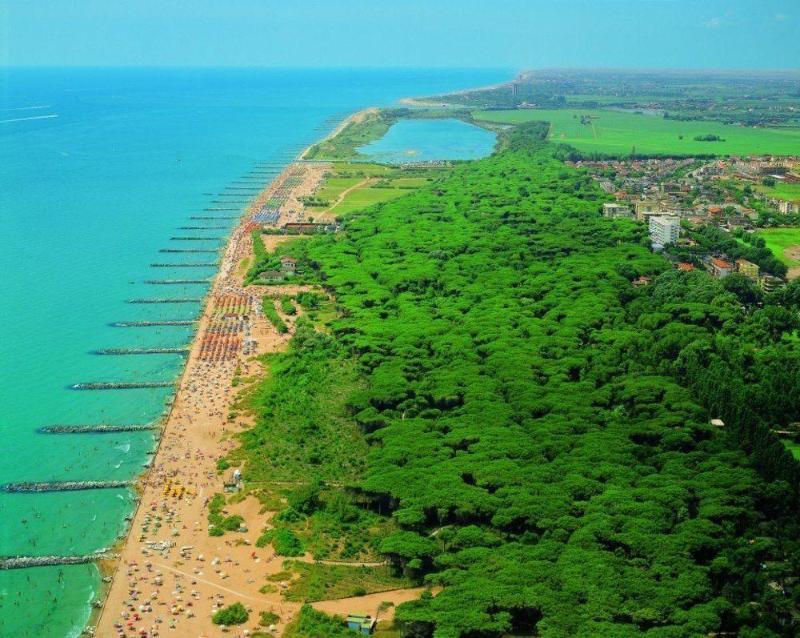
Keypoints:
pixel 790 192
pixel 360 185
pixel 780 240
pixel 335 186
pixel 618 133
pixel 362 169
pixel 363 197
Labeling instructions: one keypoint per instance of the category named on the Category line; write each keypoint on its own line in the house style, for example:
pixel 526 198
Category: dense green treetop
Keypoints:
pixel 539 426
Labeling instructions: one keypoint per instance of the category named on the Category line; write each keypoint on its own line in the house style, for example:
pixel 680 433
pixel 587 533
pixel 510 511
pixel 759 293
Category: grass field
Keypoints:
pixel 619 133
pixel 352 186
pixel 780 240
pixel 790 192
pixel 363 197
pixel 335 186
pixel 361 169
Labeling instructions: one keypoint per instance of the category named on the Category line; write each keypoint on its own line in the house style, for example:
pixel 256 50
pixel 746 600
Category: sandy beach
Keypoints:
pixel 352 119
pixel 171 576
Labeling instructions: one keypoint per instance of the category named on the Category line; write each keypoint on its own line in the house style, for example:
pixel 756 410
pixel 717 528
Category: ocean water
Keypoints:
pixel 431 140
pixel 98 169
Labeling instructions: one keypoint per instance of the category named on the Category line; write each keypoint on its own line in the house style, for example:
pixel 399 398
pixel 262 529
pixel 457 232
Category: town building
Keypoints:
pixel 647 207
pixel 768 283
pixel 288 264
pixel 307 228
pixel 720 268
pixel 617 211
pixel 360 623
pixel 747 268
pixel 664 229
pixel 645 216
pixel 272 276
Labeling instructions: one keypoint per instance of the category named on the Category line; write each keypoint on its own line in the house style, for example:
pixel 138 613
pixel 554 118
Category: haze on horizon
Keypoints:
pixel 725 34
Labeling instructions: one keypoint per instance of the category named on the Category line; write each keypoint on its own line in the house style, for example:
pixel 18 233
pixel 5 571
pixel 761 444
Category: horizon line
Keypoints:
pixel 519 69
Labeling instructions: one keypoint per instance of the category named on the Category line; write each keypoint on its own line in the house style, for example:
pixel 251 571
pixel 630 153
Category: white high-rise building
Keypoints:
pixel 664 229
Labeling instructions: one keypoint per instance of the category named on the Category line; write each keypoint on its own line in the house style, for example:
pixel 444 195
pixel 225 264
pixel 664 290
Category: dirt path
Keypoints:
pixel 238 594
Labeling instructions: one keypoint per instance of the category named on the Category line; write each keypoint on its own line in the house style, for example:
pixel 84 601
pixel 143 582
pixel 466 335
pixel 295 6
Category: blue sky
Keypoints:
pixel 468 33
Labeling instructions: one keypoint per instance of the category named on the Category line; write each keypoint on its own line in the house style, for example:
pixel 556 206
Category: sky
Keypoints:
pixel 516 34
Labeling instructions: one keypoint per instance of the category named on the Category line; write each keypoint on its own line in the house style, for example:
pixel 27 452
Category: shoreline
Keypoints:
pixel 350 119
pixel 196 372
pixel 427 102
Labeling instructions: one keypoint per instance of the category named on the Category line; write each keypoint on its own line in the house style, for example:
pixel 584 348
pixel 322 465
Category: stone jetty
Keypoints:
pixel 195 265
pixel 98 428
pixel 24 562
pixel 64 486
pixel 189 250
pixel 148 324
pixel 175 282
pixel 123 351
pixel 121 385
pixel 169 300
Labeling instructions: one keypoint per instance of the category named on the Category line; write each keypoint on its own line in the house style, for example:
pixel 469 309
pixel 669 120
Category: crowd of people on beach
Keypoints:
pixel 164 584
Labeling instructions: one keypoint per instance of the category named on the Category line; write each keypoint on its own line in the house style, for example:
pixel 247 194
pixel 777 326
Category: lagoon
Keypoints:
pixel 427 140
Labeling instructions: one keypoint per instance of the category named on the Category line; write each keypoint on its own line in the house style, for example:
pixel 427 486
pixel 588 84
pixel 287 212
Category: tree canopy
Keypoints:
pixel 539 426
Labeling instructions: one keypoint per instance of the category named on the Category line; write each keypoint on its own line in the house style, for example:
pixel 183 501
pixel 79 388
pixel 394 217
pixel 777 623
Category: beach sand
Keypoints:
pixel 171 575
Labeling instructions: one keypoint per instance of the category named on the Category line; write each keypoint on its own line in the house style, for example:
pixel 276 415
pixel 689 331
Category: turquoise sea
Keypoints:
pixel 98 169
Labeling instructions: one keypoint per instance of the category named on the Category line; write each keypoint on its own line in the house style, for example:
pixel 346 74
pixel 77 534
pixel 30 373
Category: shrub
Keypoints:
pixel 305 499
pixel 309 300
pixel 268 618
pixel 284 541
pixel 235 614
pixel 268 305
pixel 287 307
